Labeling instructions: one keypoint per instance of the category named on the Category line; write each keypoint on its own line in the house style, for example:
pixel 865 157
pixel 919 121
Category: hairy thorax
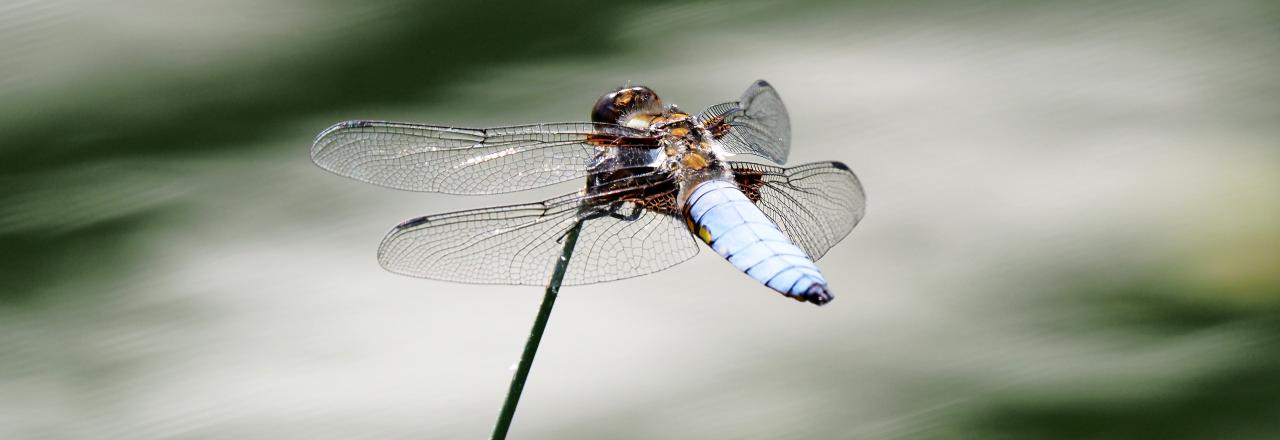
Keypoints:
pixel 684 155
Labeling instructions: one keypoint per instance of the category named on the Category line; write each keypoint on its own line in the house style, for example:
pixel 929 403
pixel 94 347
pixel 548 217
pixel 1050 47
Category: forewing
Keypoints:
pixel 520 244
pixel 757 124
pixel 466 160
pixel 815 205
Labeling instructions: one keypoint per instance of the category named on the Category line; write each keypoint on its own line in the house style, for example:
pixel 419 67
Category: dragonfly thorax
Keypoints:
pixel 686 144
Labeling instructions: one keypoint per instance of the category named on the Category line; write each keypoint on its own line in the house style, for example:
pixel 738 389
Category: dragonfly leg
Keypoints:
pixel 613 211
pixel 565 233
pixel 594 213
pixel 636 212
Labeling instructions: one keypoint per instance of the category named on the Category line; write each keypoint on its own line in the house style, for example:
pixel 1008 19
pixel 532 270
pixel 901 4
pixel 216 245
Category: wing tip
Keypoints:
pixel 385 247
pixel 318 145
pixel 757 88
pixel 359 123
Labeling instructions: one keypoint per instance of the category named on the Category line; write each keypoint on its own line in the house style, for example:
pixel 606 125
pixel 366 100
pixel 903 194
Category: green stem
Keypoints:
pixel 535 336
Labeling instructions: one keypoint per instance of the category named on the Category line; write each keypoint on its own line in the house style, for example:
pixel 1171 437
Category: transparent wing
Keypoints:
pixel 520 244
pixel 465 160
pixel 756 124
pixel 815 205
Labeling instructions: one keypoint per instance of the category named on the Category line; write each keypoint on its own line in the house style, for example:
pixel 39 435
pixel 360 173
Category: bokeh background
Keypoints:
pixel 1072 227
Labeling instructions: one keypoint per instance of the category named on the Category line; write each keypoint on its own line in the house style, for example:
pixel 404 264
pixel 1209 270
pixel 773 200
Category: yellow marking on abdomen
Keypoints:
pixel 698 230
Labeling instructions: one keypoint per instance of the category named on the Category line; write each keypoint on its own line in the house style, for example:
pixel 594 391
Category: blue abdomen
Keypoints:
pixel 723 217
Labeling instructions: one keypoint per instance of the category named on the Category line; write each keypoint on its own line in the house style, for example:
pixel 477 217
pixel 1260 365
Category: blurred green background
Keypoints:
pixel 1072 228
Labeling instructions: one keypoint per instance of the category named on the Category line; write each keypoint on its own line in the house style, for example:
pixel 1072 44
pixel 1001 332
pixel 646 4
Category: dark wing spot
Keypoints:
pixel 356 124
pixel 413 222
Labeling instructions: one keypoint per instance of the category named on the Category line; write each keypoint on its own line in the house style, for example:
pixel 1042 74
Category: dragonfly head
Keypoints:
pixel 622 106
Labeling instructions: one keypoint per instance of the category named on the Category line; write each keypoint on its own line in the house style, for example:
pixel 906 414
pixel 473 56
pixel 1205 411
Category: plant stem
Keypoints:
pixel 535 336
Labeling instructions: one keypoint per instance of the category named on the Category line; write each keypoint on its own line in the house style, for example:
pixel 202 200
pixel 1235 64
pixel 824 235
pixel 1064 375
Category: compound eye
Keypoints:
pixel 616 105
pixel 610 107
pixel 623 99
pixel 644 98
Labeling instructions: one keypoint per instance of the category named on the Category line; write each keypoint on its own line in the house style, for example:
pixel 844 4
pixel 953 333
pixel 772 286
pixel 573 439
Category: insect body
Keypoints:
pixel 656 179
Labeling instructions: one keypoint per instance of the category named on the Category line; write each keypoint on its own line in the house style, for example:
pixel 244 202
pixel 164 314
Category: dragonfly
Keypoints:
pixel 658 182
